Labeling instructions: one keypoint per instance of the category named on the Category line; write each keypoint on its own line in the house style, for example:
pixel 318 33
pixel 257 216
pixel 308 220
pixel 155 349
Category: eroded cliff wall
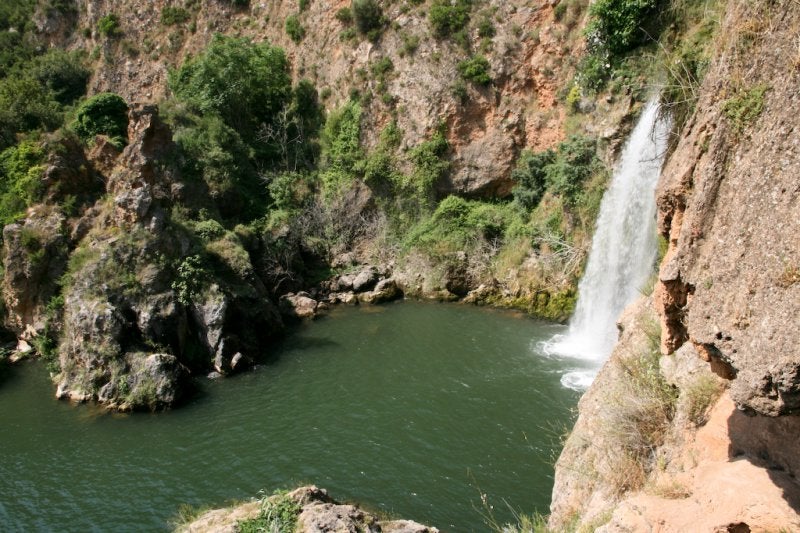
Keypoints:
pixel 711 443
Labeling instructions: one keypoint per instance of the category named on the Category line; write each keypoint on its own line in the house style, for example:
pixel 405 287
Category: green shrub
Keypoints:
pixel 21 169
pixel 530 175
pixel 745 107
pixel 25 106
pixel 459 224
pixel 216 153
pixel 486 28
pixel 209 229
pixel 410 44
pixel 345 15
pixel 576 160
pixel 171 16
pixel 341 142
pixel 563 172
pixel 278 512
pixel 430 166
pixel 448 18
pixel 190 278
pixel 61 72
pixel 102 114
pixel 108 25
pixel 620 26
pixel 302 5
pixel 246 83
pixel 476 69
pixel 294 29
pixel 368 17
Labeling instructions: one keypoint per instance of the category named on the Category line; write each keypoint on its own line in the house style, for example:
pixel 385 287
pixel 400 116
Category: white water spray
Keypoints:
pixel 622 253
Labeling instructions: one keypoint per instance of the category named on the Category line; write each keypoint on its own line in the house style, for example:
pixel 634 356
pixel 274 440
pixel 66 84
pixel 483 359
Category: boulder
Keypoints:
pixel 385 291
pixel 298 306
pixel 154 381
pixel 333 517
pixel 366 279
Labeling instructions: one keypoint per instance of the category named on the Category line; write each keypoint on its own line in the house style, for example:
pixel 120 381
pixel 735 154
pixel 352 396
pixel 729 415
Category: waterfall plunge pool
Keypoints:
pixel 412 408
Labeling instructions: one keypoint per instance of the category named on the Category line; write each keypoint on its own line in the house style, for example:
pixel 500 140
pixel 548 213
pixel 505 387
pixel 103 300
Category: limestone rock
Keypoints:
pixel 405 526
pixel 728 204
pixel 298 306
pixel 385 291
pixel 34 258
pixel 366 279
pixel 333 517
pixel 318 513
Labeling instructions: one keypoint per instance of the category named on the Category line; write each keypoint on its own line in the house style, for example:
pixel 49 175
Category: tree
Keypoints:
pixel 102 114
pixel 245 83
pixel 369 18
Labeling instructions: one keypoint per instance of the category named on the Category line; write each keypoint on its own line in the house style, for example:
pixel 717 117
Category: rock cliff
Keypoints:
pixel 532 57
pixel 717 451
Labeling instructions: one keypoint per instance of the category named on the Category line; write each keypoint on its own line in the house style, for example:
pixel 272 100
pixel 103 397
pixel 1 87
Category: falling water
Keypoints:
pixel 622 254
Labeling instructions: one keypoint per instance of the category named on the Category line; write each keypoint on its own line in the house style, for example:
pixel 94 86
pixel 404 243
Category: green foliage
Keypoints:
pixel 238 121
pixel 36 87
pixel 61 73
pixel 302 5
pixel 341 142
pixel 476 69
pixel 459 224
pixel 410 44
pixel 289 190
pixel 562 172
pixel 701 394
pixel 25 106
pixel 16 14
pixel 486 28
pixel 368 17
pixel 294 29
pixel 190 278
pixel 448 18
pixel 216 153
pixel 209 229
pixel 531 177
pixel 620 26
pixel 171 15
pixel 745 107
pixel 102 114
pixel 615 29
pixel 21 169
pixel 246 83
pixel 108 25
pixel 278 513
pixel 345 15
pixel 576 160
pixel 430 166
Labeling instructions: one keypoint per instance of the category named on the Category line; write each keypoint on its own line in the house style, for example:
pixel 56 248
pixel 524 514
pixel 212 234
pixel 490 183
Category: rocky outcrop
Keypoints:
pixel 530 53
pixel 726 299
pixel 316 512
pixel 367 284
pixel 299 305
pixel 130 334
pixel 34 258
pixel 728 203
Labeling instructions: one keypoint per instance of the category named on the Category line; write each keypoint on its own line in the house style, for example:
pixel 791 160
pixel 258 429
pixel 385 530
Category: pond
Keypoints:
pixel 416 409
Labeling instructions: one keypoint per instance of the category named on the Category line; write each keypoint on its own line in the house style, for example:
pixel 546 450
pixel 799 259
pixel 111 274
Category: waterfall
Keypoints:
pixel 622 254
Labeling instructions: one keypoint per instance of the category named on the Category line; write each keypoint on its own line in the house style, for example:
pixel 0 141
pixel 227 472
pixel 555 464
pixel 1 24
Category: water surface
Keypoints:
pixel 416 409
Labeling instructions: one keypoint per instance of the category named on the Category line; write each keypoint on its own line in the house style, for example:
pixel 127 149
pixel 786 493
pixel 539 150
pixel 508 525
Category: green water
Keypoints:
pixel 411 408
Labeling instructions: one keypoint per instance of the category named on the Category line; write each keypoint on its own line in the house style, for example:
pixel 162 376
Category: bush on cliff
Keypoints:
pixel 21 169
pixel 103 114
pixel 246 83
